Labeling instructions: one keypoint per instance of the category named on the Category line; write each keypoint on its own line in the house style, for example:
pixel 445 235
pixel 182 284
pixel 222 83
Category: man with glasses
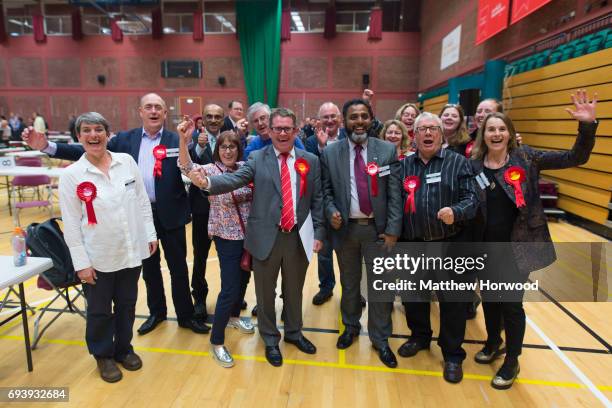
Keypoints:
pixel 280 208
pixel 360 214
pixel 169 202
pixel 235 114
pixel 444 197
pixel 258 116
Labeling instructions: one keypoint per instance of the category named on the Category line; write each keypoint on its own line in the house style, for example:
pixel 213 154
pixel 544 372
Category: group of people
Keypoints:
pixel 268 201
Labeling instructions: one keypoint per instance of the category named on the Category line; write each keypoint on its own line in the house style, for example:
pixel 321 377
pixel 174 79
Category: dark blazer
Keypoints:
pixel 264 218
pixel 533 248
pixel 312 145
pixel 198 200
pixel 171 198
pixel 336 181
pixel 227 124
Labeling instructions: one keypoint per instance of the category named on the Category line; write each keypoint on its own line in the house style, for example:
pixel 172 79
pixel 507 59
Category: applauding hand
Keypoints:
pixel 585 110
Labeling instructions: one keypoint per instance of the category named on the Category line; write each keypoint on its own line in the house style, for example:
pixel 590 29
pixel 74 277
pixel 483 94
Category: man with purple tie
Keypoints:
pixel 360 214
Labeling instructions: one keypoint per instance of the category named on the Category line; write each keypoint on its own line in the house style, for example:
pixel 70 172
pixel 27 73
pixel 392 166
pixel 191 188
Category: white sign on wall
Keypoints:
pixel 450 48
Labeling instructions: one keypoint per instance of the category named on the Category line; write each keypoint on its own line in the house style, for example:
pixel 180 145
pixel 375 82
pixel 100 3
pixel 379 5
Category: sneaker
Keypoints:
pixel 221 356
pixel 243 325
pixel 506 375
pixel 489 353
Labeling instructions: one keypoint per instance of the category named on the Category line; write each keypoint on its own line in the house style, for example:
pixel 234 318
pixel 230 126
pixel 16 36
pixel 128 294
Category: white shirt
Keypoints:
pixel 292 175
pixel 124 226
pixel 355 211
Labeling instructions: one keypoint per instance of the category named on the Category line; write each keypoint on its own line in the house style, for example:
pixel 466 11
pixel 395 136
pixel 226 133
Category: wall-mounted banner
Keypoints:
pixel 522 8
pixel 492 18
pixel 450 48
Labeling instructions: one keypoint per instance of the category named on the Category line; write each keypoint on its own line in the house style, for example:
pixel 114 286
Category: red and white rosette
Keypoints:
pixel 86 191
pixel 411 185
pixel 468 149
pixel 160 153
pixel 302 168
pixel 514 175
pixel 372 170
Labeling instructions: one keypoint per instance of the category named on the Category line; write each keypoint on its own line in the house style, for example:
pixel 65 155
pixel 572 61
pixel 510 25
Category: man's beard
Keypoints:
pixel 358 138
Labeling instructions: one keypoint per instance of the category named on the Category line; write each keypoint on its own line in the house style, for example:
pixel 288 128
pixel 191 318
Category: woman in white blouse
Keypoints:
pixel 108 226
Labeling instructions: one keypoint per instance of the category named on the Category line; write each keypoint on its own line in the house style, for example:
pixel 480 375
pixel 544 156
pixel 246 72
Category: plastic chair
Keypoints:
pixel 21 183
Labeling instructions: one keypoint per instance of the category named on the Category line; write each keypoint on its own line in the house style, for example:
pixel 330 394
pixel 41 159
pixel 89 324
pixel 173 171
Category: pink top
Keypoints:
pixel 223 218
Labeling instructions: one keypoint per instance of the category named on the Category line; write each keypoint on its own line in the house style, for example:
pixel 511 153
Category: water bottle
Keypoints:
pixel 19 247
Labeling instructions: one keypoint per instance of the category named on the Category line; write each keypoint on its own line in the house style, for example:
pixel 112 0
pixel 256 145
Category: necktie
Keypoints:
pixel 361 179
pixel 287 219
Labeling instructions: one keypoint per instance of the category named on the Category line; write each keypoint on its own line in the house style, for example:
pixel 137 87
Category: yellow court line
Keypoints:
pixel 356 367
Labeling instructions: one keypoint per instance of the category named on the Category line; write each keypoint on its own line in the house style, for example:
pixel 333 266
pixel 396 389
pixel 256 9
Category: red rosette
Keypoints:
pixel 372 170
pixel 514 175
pixel 86 191
pixel 411 185
pixel 302 168
pixel 468 149
pixel 160 153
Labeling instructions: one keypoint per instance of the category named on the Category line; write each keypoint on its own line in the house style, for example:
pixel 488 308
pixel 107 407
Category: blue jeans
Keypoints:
pixel 327 279
pixel 233 286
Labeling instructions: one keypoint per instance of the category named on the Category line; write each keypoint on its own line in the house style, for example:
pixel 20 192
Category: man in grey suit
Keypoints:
pixel 360 215
pixel 282 176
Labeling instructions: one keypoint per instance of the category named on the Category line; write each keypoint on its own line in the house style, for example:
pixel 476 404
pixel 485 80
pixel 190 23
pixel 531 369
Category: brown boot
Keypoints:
pixel 131 362
pixel 109 370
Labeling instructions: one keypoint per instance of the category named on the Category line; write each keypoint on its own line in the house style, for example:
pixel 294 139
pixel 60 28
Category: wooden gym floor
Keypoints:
pixel 178 370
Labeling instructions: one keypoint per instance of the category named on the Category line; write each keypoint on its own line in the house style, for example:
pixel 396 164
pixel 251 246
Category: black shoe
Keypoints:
pixel 200 312
pixel 489 353
pixel 453 373
pixel 471 308
pixel 363 302
pixel 196 326
pixel 303 344
pixel 149 324
pixel 274 356
pixel 321 297
pixel 254 311
pixel 131 362
pixel 411 347
pixel 346 339
pixel 243 306
pixel 506 375
pixel 387 357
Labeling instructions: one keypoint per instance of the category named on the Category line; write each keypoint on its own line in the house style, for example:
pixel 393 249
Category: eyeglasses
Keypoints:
pixel 230 148
pixel 149 108
pixel 423 129
pixel 282 129
pixel 329 117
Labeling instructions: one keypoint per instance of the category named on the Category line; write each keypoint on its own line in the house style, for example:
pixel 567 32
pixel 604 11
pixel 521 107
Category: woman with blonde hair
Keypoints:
pixel 407 113
pixel 394 131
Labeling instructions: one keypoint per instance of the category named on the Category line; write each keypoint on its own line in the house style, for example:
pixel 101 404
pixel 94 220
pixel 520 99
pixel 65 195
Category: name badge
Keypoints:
pixel 384 173
pixel 173 152
pixel 483 181
pixel 382 169
pixel 431 180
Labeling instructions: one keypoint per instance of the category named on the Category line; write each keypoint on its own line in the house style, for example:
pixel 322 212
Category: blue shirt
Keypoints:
pixel 146 160
pixel 259 143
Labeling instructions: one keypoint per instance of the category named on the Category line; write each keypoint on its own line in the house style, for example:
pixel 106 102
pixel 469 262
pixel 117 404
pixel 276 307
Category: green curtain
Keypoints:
pixel 259 25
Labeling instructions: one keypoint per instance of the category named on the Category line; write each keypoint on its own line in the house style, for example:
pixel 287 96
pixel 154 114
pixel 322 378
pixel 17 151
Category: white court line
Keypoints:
pixel 581 376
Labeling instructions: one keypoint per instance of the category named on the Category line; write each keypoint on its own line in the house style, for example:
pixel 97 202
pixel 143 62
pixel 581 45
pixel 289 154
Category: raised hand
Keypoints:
pixel 185 129
pixel 203 139
pixel 34 139
pixel 322 136
pixel 367 95
pixel 585 110
pixel 242 126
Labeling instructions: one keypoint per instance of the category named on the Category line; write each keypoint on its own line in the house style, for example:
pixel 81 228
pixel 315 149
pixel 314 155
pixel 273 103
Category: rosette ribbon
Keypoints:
pixel 411 185
pixel 514 175
pixel 160 153
pixel 86 191
pixel 302 168
pixel 372 170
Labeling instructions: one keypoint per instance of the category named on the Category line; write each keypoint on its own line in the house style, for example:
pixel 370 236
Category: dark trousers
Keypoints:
pixel 327 279
pixel 288 256
pixel 233 286
pixel 350 257
pixel 513 316
pixel 201 245
pixel 111 309
pixel 175 251
pixel 452 327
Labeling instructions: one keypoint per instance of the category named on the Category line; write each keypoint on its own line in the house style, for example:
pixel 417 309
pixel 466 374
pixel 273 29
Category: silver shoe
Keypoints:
pixel 221 356
pixel 243 325
pixel 505 376
pixel 488 354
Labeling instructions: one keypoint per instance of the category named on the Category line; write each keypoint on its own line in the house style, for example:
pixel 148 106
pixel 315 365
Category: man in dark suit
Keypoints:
pixel 359 216
pixel 169 201
pixel 329 132
pixel 286 195
pixel 234 114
